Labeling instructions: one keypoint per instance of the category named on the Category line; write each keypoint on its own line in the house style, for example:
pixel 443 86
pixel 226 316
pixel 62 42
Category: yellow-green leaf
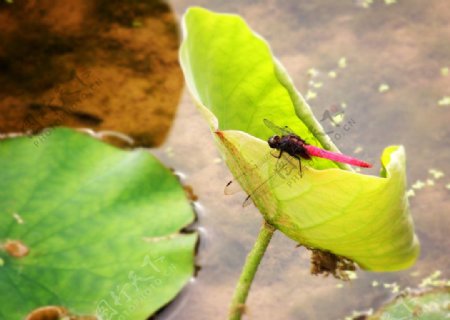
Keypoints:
pixel 236 83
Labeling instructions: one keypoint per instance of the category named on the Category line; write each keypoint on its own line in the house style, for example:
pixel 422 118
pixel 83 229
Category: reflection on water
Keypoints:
pixel 379 68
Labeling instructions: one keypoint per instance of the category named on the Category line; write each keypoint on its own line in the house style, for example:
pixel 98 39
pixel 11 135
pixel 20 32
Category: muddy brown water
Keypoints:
pixel 104 65
pixel 398 49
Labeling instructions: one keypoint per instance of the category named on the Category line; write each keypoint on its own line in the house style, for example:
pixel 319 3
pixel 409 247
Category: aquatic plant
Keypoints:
pixel 343 216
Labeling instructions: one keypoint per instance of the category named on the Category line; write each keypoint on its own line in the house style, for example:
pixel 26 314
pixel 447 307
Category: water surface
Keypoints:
pixel 390 88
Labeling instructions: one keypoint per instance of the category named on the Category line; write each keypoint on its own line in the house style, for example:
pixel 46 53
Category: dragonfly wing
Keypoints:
pixel 256 191
pixel 248 201
pixel 233 186
pixel 285 170
pixel 289 130
pixel 277 129
pixel 334 156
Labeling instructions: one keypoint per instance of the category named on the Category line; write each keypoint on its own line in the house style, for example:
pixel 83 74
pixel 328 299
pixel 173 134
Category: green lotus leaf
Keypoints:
pixel 89 228
pixel 428 305
pixel 237 83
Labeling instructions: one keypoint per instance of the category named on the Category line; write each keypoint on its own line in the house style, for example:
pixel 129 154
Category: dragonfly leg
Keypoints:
pixel 299 164
pixel 279 155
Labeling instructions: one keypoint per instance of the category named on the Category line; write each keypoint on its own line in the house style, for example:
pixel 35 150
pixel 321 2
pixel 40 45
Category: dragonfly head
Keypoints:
pixel 274 141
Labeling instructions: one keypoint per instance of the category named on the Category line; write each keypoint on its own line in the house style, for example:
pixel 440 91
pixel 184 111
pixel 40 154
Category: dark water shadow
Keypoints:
pixel 103 65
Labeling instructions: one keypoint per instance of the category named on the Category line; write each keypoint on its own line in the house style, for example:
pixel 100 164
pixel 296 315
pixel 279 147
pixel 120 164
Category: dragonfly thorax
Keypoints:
pixel 291 144
pixel 274 142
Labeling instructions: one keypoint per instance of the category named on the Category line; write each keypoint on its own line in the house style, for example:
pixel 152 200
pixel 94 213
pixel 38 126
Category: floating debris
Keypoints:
pixel 360 314
pixel 448 186
pixel 437 174
pixel 342 63
pixel 310 95
pixel 316 85
pixel 312 72
pixel 217 160
pixel 393 286
pixel 332 74
pixel 169 152
pixel 419 184
pixel 339 286
pixel 364 3
pixel 389 2
pixel 415 274
pixel 410 193
pixel 383 88
pixel 375 283
pixel 358 149
pixel 444 71
pixel 351 274
pixel 343 105
pixel 434 281
pixel 338 118
pixel 445 101
pixel 18 218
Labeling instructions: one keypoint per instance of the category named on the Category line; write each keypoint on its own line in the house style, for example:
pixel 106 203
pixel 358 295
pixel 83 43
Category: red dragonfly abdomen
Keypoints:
pixel 334 156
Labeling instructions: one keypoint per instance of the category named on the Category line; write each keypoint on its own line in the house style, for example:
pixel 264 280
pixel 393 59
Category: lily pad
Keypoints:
pixel 237 83
pixel 429 305
pixel 95 230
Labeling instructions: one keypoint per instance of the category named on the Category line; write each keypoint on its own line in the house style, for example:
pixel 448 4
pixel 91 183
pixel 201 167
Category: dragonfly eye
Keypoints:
pixel 274 141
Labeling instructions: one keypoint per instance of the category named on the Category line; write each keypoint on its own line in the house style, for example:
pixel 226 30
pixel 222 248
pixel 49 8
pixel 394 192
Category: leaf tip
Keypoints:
pixel 219 134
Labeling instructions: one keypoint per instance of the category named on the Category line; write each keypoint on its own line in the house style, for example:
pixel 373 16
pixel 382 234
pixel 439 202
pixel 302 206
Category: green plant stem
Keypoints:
pixel 248 272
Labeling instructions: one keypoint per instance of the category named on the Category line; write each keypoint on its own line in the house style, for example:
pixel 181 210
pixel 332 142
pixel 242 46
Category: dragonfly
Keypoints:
pixel 286 141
